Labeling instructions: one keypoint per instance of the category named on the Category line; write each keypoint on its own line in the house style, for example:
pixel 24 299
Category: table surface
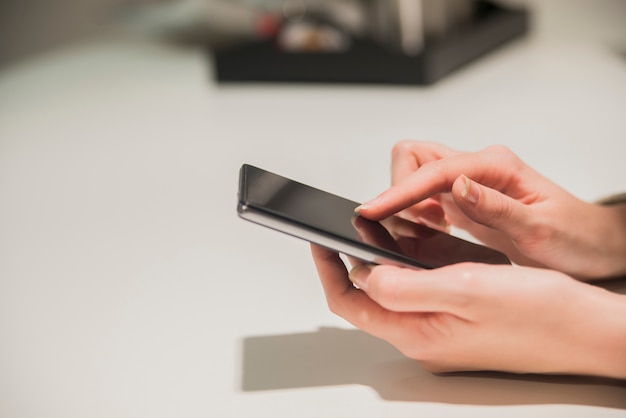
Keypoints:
pixel 129 287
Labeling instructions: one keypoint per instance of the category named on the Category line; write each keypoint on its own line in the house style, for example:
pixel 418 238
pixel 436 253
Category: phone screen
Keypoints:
pixel 329 220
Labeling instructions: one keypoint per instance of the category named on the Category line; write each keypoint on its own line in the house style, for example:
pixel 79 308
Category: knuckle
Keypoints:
pixel 501 209
pixel 535 233
pixel 335 306
pixel 364 321
pixel 427 358
pixel 403 147
pixel 332 306
pixel 499 150
pixel 383 287
pixel 468 286
pixel 503 154
pixel 437 168
pixel 467 277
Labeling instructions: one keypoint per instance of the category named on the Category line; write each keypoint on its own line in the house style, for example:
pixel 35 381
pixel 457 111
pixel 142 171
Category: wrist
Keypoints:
pixel 603 338
pixel 594 238
pixel 611 242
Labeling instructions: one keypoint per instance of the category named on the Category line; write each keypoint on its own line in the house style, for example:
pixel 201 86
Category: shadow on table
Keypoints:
pixel 333 356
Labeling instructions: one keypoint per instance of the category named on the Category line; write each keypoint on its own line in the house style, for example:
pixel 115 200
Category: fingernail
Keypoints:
pixel 360 274
pixel 470 192
pixel 368 205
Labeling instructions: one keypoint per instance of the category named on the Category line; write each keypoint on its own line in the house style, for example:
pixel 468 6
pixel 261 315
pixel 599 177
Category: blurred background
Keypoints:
pixel 28 27
pixel 129 287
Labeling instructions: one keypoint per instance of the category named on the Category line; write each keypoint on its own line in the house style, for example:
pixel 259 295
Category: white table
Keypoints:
pixel 129 287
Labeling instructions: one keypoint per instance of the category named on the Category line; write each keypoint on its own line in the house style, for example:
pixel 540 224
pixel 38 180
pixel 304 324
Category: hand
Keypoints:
pixel 483 317
pixel 505 204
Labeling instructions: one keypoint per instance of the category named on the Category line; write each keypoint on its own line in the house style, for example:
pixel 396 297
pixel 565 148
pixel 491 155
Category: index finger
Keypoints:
pixel 434 177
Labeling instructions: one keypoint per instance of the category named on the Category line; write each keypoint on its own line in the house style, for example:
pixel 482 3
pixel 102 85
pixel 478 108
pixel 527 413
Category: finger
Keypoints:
pixel 331 270
pixel 375 233
pixel 407 156
pixel 448 289
pixel 354 305
pixel 491 208
pixel 347 301
pixel 429 212
pixel 495 167
pixel 402 228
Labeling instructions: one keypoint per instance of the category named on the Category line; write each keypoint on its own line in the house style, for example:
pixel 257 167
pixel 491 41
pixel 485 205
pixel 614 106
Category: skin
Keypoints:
pixel 507 205
pixel 469 317
pixel 529 318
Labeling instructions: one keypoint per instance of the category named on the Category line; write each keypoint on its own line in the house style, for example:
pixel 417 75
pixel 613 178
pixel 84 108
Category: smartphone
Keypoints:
pixel 330 221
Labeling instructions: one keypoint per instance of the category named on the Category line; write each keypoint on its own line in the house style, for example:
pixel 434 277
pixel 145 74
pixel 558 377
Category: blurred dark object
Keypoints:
pixel 208 23
pixel 424 59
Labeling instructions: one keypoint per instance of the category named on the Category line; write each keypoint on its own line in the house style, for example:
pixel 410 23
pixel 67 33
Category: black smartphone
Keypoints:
pixel 328 220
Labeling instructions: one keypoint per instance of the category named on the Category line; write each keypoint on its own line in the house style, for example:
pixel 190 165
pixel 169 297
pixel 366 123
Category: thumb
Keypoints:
pixel 490 207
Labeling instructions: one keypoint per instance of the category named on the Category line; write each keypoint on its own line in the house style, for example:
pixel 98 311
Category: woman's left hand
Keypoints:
pixel 482 317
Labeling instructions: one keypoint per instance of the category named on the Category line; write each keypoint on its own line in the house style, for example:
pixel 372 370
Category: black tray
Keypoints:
pixel 369 62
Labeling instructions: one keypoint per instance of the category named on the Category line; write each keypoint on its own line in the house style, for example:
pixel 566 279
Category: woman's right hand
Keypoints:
pixel 505 204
